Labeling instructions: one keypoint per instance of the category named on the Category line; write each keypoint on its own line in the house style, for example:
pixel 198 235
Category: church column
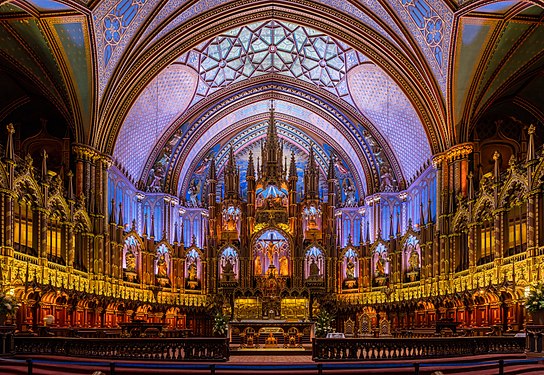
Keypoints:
pixel 533 198
pixel 68 242
pixel 331 202
pixel 250 179
pixel 7 195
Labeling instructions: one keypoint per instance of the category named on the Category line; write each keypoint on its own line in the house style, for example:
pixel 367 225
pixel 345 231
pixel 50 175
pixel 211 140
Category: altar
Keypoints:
pixel 270 334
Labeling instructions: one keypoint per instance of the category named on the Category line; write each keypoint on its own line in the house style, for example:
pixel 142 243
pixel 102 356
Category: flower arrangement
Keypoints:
pixel 220 324
pixel 323 324
pixel 8 305
pixel 535 298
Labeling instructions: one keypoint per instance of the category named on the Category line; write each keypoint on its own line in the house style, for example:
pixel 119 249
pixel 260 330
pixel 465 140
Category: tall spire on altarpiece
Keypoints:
pixel 272 150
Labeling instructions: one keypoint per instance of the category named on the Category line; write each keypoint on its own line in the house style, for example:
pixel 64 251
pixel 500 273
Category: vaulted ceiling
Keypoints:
pixel 380 85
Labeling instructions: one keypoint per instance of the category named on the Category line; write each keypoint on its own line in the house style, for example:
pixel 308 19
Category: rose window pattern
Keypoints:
pixel 272 47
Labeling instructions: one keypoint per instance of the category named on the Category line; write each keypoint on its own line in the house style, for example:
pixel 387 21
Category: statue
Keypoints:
pixel 413 262
pixel 380 267
pixel 193 194
pixel 349 191
pixel 192 272
pixel 130 261
pixel 387 180
pixel 228 270
pixel 162 267
pixel 258 266
pixel 155 185
pixel 284 266
pixel 350 269
pixel 270 250
pixel 314 269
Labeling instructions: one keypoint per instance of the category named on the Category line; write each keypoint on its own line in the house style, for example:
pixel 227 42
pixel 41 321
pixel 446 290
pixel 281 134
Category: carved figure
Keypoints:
pixel 192 272
pixel 130 261
pixel 270 250
pixel 258 266
pixel 350 269
pixel 155 185
pixel 162 266
pixel 349 191
pixel 387 180
pixel 284 266
pixel 193 194
pixel 413 262
pixel 314 269
pixel 380 267
pixel 228 270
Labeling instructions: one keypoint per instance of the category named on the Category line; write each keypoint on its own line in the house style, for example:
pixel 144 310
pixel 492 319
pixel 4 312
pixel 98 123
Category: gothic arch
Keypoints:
pixel 57 203
pixel 483 203
pixel 512 186
pixel 26 186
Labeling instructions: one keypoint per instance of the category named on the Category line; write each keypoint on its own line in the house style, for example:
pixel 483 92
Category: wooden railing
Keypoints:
pixel 534 340
pixel 412 348
pixel 163 349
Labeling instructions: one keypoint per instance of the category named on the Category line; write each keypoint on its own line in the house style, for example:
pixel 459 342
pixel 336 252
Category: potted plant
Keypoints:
pixel 220 324
pixel 323 324
pixel 534 303
pixel 8 308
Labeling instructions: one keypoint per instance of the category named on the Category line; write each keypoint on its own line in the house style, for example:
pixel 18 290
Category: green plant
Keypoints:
pixel 8 304
pixel 534 300
pixel 220 324
pixel 323 323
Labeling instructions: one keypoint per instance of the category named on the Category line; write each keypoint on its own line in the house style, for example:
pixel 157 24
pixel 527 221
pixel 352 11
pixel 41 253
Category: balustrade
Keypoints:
pixel 410 348
pixel 163 349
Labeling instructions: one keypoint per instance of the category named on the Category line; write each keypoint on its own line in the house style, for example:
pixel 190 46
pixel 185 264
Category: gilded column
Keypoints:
pixel 68 232
pixel 42 215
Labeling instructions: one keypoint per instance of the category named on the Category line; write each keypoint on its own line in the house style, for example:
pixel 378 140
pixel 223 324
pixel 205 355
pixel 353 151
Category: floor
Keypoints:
pixel 273 365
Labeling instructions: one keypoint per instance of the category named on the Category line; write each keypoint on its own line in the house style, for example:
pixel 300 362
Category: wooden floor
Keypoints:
pixel 273 364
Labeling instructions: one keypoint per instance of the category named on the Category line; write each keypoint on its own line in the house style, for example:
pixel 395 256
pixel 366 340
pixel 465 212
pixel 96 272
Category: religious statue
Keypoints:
pixel 350 269
pixel 156 175
pixel 387 180
pixel 258 266
pixel 130 261
pixel 162 267
pixel 284 266
pixel 270 250
pixel 349 191
pixel 314 269
pixel 192 272
pixel 228 270
pixel 380 267
pixel 193 194
pixel 413 261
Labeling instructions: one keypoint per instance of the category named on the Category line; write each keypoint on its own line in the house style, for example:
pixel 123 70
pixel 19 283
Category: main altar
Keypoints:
pixel 271 322
pixel 271 334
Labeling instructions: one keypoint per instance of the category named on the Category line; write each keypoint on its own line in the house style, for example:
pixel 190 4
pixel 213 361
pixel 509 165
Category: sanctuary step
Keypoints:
pixel 265 364
pixel 306 350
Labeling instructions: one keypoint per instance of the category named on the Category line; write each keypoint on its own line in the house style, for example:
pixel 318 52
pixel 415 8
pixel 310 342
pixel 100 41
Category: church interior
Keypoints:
pixel 273 162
